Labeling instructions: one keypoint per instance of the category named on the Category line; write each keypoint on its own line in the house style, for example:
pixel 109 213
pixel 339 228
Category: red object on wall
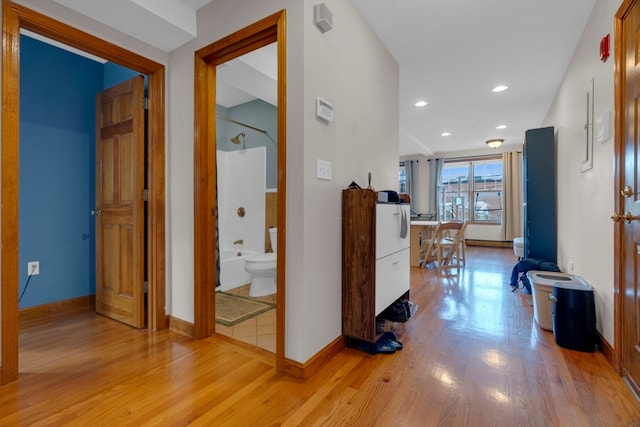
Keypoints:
pixel 604 48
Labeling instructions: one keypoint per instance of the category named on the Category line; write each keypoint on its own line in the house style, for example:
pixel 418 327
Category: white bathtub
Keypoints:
pixel 232 272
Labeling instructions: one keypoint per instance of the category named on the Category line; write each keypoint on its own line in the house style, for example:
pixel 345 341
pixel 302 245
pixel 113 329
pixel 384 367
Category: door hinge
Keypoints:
pixel 146 103
pixel 145 195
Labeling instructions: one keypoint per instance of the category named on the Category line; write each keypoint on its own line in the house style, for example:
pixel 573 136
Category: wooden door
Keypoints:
pixel 627 214
pixel 120 202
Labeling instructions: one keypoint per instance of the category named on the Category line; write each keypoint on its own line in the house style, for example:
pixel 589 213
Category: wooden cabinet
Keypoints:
pixel 539 173
pixel 375 260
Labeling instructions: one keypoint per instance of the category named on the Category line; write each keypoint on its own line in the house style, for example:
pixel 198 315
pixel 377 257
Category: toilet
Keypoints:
pixel 263 269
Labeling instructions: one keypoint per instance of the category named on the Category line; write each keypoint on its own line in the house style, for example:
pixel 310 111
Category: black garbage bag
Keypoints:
pixel 519 272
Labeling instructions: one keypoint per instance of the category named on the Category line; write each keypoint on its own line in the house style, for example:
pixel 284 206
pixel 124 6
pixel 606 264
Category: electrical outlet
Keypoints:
pixel 33 268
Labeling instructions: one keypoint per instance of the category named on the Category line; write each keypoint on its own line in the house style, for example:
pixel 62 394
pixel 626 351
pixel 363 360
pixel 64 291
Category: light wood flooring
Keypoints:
pixel 472 357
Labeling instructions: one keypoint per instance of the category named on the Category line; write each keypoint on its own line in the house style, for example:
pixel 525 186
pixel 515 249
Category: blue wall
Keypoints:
pixel 114 74
pixel 57 170
pixel 258 114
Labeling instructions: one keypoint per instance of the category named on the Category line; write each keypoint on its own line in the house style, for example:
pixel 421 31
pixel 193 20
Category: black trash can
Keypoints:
pixel 574 316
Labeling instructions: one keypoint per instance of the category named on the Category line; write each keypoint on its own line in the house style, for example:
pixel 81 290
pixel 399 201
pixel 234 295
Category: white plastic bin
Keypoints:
pixel 518 247
pixel 542 283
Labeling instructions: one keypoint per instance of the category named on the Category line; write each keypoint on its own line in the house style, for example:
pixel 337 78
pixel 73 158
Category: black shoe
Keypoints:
pixel 392 339
pixel 383 346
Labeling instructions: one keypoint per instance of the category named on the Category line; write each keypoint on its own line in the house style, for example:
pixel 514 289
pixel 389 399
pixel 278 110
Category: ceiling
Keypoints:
pixel 451 53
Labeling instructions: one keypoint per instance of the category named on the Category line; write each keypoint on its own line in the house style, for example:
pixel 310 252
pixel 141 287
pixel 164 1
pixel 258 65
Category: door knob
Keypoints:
pixel 627 191
pixel 622 217
pixel 98 212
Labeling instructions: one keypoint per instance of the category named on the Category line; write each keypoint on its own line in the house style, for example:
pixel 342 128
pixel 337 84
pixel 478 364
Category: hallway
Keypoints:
pixel 472 357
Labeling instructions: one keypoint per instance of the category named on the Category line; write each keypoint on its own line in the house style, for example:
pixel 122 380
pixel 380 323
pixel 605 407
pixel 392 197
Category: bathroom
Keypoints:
pixel 246 135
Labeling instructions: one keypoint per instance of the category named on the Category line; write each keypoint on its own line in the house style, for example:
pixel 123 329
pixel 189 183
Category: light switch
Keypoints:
pixel 323 169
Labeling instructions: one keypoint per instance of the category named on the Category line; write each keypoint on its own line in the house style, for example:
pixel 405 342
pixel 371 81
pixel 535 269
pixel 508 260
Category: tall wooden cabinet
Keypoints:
pixel 375 260
pixel 540 208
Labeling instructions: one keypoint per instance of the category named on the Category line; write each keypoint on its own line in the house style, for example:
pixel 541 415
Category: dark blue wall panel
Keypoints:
pixel 114 74
pixel 57 132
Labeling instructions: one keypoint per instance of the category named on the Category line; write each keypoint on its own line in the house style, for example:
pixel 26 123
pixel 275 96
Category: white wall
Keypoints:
pixel 349 67
pixel 585 199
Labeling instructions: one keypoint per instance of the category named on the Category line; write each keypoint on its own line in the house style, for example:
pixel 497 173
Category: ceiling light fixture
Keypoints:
pixel 445 134
pixel 500 88
pixel 421 103
pixel 495 143
pixel 501 127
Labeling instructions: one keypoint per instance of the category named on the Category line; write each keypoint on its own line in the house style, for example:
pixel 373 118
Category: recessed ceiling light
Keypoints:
pixel 421 103
pixel 445 133
pixel 499 88
pixel 501 127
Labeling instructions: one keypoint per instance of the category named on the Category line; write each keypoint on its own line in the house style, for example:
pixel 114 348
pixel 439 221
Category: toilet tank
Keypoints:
pixel 273 235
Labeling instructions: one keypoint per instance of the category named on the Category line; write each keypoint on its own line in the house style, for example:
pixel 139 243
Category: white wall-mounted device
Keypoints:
pixel 322 17
pixel 324 110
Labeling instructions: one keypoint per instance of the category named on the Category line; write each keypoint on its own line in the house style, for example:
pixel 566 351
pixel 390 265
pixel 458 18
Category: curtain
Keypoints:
pixel 411 168
pixel 512 217
pixel 435 184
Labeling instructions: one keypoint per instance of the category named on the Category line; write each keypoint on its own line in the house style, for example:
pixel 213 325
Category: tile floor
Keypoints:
pixel 260 330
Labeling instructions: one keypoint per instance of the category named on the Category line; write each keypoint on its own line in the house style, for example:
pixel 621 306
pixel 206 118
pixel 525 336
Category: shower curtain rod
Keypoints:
pixel 240 123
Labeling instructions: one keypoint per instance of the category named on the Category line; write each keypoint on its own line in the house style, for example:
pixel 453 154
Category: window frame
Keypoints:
pixel 469 194
pixel 402 171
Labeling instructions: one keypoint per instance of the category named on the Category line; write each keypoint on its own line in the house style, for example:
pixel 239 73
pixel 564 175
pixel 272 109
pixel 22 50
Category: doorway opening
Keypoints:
pixel 258 35
pixel 14 18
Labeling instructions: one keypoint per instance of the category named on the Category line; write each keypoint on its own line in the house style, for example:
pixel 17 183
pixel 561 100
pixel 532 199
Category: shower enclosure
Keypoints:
pixel 241 212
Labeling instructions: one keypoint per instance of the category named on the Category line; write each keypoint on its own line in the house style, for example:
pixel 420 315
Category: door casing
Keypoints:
pixel 14 17
pixel 261 33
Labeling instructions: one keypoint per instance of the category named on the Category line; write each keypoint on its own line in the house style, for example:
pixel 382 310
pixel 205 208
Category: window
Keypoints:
pixel 403 178
pixel 472 190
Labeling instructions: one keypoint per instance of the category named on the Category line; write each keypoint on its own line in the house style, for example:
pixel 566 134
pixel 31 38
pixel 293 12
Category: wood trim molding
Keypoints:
pixel 489 243
pixel 261 33
pixel 281 275
pixel 156 182
pixel 204 200
pixel 32 313
pixel 618 242
pixel 304 371
pixel 606 349
pixel 14 17
pixel 181 326
pixel 9 192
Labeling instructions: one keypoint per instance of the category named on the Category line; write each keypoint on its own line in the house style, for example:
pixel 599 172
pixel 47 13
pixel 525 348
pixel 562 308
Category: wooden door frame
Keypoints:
pixel 14 17
pixel 266 31
pixel 619 178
